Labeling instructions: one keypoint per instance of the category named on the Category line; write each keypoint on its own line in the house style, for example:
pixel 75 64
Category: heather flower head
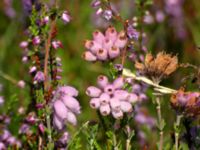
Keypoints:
pixel 65 106
pixel 105 46
pixel 186 103
pixel 160 66
pixel 111 98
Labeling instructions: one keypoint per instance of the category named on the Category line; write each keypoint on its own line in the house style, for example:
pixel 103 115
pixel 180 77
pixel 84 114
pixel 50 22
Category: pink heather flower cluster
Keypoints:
pixel 65 106
pixel 110 98
pixel 105 46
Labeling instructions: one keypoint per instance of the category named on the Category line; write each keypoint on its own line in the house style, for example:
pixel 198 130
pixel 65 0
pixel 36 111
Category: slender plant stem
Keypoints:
pixel 177 124
pixel 160 120
pixel 128 146
pixel 7 77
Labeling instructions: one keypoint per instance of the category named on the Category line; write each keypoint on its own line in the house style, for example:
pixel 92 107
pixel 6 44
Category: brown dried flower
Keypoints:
pixel 159 67
pixel 187 103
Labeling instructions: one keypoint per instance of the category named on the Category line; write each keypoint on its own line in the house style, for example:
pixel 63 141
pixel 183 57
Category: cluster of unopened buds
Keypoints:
pixel 111 98
pixel 105 46
pixel 65 106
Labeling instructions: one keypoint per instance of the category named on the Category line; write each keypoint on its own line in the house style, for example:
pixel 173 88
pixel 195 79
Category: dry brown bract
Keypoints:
pixel 159 67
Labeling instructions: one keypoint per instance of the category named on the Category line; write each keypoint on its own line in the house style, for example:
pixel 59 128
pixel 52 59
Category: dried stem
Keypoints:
pixel 158 88
pixel 47 49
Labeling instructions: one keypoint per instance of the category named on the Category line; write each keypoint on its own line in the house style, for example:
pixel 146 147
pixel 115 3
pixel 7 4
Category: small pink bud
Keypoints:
pixel 108 43
pixel 132 98
pixel 41 128
pixel 93 91
pixel 111 33
pixel 21 84
pixel 99 11
pixel 58 123
pixel 88 56
pixel 95 47
pixel 25 59
pixel 98 37
pixel 46 20
pixel 67 90
pixel 56 44
pixel 102 81
pixel 121 95
pixel 88 44
pixel 71 103
pixel 66 17
pixel 102 54
pixel 104 99
pixel 32 69
pixel 113 52
pixel 39 77
pixel 115 103
pixel 36 40
pixel 60 109
pixel 95 103
pixel 24 44
pixel 71 118
pixel 105 109
pixel 126 106
pixel 109 89
pixel 117 114
pixel 119 83
pixel 121 40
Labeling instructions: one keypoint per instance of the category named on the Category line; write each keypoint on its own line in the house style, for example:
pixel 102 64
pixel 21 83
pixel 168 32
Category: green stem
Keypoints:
pixel 177 124
pixel 160 120
pixel 7 77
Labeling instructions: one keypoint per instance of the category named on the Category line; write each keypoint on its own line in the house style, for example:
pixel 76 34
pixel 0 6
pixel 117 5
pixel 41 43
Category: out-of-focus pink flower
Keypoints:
pixel 21 84
pixel 39 77
pixel 66 17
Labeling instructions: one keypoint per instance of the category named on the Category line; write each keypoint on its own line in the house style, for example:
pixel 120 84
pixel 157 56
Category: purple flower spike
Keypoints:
pixel 60 109
pixel 93 91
